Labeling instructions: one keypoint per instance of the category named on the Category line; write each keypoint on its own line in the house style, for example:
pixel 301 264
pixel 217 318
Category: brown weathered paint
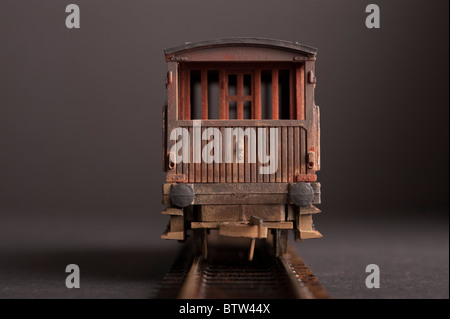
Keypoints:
pixel 271 176
pixel 204 81
pixel 300 92
pixel 223 89
pixel 204 166
pixel 275 94
pixel 309 110
pixel 187 95
pixel 172 109
pixel 290 154
pixel 280 143
pixel 191 173
pixel 296 151
pixel 257 94
pixel 284 157
pixel 247 170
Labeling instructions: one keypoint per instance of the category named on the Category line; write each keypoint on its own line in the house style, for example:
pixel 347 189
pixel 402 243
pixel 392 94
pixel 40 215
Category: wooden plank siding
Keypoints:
pixel 291 160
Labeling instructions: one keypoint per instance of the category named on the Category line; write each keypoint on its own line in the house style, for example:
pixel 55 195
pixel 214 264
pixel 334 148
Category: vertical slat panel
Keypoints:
pixel 210 167
pixel 296 151
pixel 259 176
pixel 257 95
pixel 300 90
pixel 235 164
pixel 204 166
pixel 271 176
pixel 187 94
pixel 242 166
pixel 198 166
pixel 279 152
pixel 217 167
pixel 223 105
pixel 210 173
pixel 247 162
pixel 292 149
pixel 275 94
pixel 284 155
pixel 185 168
pixel 253 166
pixel 266 176
pixel 292 95
pixel 235 170
pixel 204 80
pixel 240 93
pixel 227 102
pixel 191 163
pixel 229 172
pixel 179 166
pixel 303 150
pixel 290 154
pixel 222 164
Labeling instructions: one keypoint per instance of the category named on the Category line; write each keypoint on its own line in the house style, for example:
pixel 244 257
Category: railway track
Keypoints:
pixel 227 274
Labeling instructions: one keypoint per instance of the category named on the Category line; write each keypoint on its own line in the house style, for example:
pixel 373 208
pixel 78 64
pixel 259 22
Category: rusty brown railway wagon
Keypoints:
pixel 241 141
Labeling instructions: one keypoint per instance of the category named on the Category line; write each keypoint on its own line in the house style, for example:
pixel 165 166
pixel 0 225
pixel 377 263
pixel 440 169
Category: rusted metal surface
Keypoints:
pixel 228 274
pixel 300 274
pixel 305 178
pixel 179 178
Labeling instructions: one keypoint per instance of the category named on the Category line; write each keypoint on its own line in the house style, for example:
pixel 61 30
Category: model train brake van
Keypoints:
pixel 241 141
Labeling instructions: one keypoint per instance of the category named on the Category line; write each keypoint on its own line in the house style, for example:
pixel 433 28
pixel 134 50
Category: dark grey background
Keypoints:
pixel 80 140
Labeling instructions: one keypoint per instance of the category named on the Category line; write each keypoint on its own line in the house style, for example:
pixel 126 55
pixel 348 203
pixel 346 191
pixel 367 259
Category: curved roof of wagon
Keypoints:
pixel 256 42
